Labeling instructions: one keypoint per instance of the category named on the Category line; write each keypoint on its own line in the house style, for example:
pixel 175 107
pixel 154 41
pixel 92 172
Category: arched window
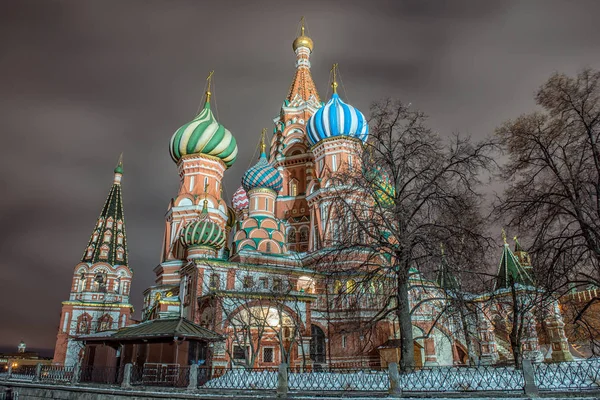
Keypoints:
pixel 81 282
pixel 268 247
pixel 120 253
pixel 351 286
pixel 337 287
pixel 120 238
pixel 294 187
pixel 107 236
pixel 104 251
pixel 119 225
pixel 304 234
pixel 95 236
pixel 100 222
pixel 83 324
pixel 109 222
pixel 291 235
pixel 90 251
pixel 117 285
pixel 100 281
pixel 104 323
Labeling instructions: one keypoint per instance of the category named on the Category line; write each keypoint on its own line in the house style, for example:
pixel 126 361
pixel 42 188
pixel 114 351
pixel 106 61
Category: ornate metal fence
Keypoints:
pixel 101 375
pixel 56 373
pixel 462 379
pixel 578 375
pixel 238 378
pixel 171 375
pixel 23 372
pixel 339 379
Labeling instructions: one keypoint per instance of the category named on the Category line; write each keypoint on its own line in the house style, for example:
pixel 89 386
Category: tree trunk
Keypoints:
pixel 515 332
pixel 407 360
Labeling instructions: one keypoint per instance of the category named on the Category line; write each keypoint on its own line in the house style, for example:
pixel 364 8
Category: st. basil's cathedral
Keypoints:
pixel 247 270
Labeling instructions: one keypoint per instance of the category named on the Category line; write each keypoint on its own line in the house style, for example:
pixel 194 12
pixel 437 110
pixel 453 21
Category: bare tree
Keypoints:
pixel 553 177
pixel 414 191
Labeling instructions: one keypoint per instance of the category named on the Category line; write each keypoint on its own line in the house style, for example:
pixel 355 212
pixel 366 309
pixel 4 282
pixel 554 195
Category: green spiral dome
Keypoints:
pixel 203 233
pixel 204 135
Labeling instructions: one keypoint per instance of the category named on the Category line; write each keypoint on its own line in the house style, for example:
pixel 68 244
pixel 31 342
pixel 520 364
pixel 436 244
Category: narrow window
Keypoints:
pixel 268 247
pixel 109 222
pixel 120 253
pixel 268 354
pixel 350 162
pixel 192 181
pixel 248 282
pixel 344 341
pixel 334 163
pixel 276 285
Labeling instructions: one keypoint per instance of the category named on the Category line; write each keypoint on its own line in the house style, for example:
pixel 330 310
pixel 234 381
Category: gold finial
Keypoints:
pixel 262 140
pixel 209 79
pixel 334 83
pixel 504 236
pixel 302 40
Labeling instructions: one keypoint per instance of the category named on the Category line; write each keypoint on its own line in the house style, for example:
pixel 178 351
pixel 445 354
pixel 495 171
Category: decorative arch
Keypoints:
pixel 264 303
pixel 291 234
pixel 84 324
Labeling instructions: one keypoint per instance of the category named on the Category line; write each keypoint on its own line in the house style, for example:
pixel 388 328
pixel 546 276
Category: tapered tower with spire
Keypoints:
pixel 99 296
pixel 290 150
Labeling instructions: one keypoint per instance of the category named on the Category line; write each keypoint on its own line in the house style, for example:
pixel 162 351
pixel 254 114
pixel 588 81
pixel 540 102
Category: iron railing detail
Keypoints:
pixel 238 378
pixel 56 373
pixel 462 379
pixel 578 375
pixel 339 379
pixel 101 375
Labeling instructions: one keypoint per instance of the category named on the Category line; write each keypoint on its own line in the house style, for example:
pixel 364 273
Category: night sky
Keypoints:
pixel 82 81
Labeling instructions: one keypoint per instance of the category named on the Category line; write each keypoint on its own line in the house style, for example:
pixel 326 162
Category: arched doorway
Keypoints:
pixel 317 344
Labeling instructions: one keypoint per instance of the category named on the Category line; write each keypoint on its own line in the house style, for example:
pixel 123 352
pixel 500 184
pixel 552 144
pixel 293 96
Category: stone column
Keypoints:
pixel 76 373
pixel 530 387
pixel 395 389
pixel 556 334
pixel 193 384
pixel 38 372
pixel 126 384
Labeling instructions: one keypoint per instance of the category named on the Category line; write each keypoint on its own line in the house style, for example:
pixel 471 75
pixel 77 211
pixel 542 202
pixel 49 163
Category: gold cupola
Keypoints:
pixel 302 40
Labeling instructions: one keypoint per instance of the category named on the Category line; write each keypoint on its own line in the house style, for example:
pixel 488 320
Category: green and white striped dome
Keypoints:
pixel 204 135
pixel 203 233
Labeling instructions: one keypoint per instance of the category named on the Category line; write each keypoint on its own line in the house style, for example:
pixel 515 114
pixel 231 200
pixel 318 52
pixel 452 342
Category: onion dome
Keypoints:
pixel 384 190
pixel 203 232
pixel 302 40
pixel 337 118
pixel 204 135
pixel 240 199
pixel 262 174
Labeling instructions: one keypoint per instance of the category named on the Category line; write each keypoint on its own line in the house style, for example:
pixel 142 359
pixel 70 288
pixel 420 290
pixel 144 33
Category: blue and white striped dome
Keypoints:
pixel 337 118
pixel 262 175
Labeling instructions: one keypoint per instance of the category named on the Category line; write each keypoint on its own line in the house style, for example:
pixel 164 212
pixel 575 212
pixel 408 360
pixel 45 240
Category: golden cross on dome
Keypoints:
pixel 334 83
pixel 209 79
pixel 262 140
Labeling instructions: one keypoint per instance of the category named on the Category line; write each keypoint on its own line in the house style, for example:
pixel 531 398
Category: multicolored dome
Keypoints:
pixel 203 232
pixel 204 135
pixel 240 199
pixel 337 118
pixel 262 175
pixel 384 190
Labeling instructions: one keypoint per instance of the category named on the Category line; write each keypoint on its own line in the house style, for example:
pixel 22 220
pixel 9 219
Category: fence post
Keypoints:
pixel 395 389
pixel 193 385
pixel 127 376
pixel 38 372
pixel 530 388
pixel 76 373
pixel 282 381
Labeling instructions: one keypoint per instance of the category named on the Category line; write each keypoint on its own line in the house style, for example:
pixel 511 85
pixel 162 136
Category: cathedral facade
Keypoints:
pixel 248 267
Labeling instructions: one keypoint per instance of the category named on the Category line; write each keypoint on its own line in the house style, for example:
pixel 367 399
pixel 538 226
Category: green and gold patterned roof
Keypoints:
pixel 108 242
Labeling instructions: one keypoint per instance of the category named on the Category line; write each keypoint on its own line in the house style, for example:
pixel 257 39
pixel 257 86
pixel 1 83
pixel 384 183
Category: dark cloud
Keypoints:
pixel 82 81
